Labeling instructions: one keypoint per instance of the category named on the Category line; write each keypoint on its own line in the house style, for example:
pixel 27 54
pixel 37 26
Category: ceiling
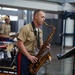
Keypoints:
pixel 58 1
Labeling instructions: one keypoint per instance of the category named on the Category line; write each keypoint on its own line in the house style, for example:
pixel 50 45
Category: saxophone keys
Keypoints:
pixel 49 56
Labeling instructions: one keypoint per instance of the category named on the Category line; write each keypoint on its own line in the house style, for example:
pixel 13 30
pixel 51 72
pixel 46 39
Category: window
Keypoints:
pixel 13 18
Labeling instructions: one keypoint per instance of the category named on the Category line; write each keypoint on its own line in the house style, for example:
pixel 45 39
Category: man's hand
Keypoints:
pixel 11 38
pixel 48 46
pixel 33 59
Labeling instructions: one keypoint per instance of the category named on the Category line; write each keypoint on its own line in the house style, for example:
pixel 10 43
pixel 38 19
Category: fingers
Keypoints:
pixel 48 46
pixel 34 59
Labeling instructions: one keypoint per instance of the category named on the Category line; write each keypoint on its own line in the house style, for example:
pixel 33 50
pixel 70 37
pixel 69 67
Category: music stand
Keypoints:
pixel 67 55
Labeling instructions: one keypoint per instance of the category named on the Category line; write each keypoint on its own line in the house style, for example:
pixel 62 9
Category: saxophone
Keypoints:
pixel 34 67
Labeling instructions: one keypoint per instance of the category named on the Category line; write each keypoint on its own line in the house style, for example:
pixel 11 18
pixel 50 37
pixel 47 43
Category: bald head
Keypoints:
pixel 37 11
pixel 39 17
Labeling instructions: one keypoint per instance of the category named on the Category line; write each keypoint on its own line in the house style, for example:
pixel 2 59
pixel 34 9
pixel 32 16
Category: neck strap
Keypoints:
pixel 34 29
pixel 35 33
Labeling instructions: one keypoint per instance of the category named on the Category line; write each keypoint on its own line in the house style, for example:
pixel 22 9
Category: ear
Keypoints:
pixel 35 16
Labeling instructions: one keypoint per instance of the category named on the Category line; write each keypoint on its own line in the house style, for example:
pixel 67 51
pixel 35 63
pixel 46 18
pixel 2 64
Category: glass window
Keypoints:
pixel 25 14
pixel 0 16
pixel 13 18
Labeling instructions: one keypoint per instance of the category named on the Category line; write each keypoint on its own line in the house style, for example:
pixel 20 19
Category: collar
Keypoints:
pixel 32 23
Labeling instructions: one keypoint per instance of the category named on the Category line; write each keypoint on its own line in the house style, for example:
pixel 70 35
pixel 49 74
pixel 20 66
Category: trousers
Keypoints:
pixel 22 63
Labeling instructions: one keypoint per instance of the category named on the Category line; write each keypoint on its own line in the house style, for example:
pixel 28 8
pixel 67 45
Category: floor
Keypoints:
pixel 56 66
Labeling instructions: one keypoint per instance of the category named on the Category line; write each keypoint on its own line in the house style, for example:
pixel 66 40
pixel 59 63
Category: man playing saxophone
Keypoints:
pixel 28 42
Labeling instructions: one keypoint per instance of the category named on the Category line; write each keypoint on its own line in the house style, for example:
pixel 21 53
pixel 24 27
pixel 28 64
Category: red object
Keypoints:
pixel 3 46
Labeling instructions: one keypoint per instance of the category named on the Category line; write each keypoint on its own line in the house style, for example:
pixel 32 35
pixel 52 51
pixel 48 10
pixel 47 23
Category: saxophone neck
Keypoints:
pixel 49 25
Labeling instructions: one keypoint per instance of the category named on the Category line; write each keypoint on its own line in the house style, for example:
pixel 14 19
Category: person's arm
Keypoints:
pixel 20 44
pixel 5 36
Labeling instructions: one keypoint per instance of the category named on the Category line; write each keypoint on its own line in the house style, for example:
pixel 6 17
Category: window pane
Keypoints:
pixel 13 18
